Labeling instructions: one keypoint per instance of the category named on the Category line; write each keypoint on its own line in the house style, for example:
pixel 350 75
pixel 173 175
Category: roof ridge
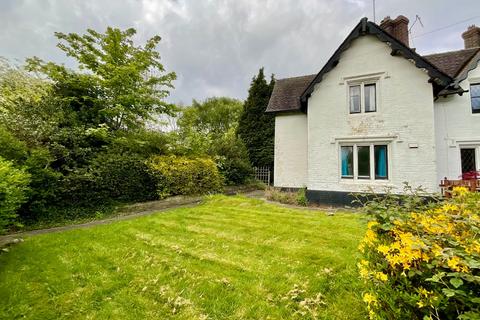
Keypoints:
pixel 304 76
pixel 450 52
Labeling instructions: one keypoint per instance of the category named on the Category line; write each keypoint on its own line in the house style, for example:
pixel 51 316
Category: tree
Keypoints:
pixel 215 116
pixel 123 85
pixel 208 128
pixel 257 128
pixel 13 186
pixel 28 107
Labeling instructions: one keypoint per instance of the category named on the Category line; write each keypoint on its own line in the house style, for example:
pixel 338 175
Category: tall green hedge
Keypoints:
pixel 13 186
pixel 183 176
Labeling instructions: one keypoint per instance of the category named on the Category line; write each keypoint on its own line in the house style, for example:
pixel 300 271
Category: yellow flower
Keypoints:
pixel 455 264
pixel 361 247
pixel 473 248
pixel 424 292
pixel 369 298
pixel 370 237
pixel 450 207
pixel 372 224
pixel 381 276
pixel 383 249
pixel 460 191
pixel 437 250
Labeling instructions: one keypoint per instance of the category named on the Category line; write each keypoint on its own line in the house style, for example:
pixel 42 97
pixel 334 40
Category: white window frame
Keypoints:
pixel 473 83
pixel 372 145
pixel 362 83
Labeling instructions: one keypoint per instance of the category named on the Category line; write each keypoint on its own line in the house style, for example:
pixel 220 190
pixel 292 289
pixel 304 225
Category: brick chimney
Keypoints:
pixel 397 28
pixel 471 37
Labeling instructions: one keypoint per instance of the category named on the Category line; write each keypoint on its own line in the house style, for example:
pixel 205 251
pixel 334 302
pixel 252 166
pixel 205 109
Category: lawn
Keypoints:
pixel 228 258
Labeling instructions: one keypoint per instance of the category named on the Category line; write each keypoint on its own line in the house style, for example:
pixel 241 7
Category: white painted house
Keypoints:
pixel 379 114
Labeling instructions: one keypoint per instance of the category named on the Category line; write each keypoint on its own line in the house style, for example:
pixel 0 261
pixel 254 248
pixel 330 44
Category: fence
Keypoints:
pixel 262 174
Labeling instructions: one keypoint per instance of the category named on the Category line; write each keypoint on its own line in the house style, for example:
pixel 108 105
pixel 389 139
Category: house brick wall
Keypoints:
pixel 456 127
pixel 291 142
pixel 404 119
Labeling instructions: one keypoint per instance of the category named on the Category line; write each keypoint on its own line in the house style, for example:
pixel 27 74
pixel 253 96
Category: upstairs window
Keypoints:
pixel 475 97
pixel 370 97
pixel 355 99
pixel 363 97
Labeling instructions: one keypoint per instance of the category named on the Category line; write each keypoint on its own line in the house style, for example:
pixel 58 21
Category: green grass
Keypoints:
pixel 229 258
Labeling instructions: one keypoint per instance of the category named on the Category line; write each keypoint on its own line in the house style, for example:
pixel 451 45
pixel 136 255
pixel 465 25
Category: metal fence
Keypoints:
pixel 262 174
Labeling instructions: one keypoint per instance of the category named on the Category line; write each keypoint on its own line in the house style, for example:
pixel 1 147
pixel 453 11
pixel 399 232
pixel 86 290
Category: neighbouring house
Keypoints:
pixel 379 114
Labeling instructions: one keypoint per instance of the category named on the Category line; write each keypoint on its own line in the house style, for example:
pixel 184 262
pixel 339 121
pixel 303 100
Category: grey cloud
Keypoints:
pixel 216 46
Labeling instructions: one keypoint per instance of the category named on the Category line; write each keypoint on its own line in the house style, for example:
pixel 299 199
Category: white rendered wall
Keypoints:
pixel 456 126
pixel 291 142
pixel 404 119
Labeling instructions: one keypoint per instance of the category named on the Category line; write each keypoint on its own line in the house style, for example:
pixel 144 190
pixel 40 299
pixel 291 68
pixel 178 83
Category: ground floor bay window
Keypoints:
pixel 364 161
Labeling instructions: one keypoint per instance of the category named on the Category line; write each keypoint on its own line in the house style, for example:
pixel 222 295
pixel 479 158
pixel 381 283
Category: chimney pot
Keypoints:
pixel 471 37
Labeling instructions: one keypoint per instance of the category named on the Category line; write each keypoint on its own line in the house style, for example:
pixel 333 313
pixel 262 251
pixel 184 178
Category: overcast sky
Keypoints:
pixel 216 46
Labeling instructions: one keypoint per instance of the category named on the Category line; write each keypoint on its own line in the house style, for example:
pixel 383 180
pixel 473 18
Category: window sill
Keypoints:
pixel 367 182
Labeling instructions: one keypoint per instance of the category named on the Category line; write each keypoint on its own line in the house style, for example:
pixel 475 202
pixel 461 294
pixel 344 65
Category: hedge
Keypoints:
pixel 13 186
pixel 185 176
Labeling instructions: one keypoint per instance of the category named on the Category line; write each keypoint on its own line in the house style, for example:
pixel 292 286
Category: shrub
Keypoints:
pixel 145 143
pixel 110 176
pixel 287 197
pixel 124 177
pixel 11 148
pixel 13 186
pixel 302 197
pixel 185 176
pixel 232 159
pixel 422 259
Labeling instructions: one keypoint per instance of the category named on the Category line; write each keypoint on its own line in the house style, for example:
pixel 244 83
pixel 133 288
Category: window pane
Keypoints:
pixel 475 90
pixel 347 162
pixel 354 99
pixel 370 98
pixel 363 156
pixel 476 104
pixel 381 162
pixel 468 160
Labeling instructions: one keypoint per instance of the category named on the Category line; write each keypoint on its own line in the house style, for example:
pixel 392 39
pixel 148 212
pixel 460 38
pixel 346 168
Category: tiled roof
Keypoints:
pixel 451 62
pixel 286 93
pixel 442 68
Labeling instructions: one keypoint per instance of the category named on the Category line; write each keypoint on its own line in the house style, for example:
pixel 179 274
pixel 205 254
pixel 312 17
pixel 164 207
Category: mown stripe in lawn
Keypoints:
pixel 230 258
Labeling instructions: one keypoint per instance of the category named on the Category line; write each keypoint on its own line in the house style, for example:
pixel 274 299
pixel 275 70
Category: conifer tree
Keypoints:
pixel 257 128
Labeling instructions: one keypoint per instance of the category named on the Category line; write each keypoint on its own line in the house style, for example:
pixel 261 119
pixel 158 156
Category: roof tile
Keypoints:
pixel 451 62
pixel 286 93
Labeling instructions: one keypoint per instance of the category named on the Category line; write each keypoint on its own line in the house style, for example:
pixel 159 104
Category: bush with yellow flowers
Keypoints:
pixel 421 258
